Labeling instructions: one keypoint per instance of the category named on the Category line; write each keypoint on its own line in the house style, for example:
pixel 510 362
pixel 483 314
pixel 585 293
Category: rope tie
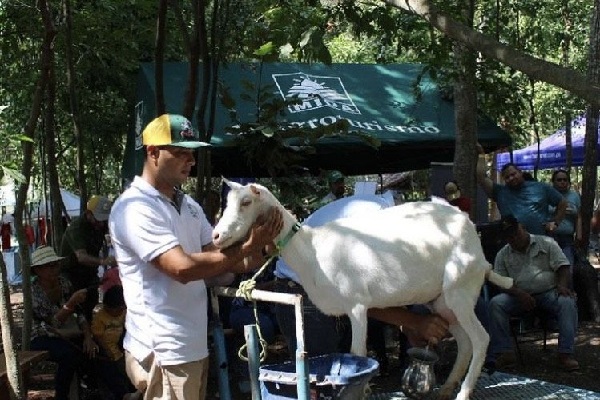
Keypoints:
pixel 245 290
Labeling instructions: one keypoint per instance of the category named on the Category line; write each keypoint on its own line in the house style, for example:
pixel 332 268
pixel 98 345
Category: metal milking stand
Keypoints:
pixel 252 342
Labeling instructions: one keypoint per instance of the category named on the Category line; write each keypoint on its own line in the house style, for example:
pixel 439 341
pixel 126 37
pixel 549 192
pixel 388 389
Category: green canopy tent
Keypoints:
pixel 397 104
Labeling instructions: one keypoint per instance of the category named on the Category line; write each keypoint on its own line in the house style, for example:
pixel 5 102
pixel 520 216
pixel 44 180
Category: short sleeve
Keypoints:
pixel 556 257
pixel 144 229
pixel 500 262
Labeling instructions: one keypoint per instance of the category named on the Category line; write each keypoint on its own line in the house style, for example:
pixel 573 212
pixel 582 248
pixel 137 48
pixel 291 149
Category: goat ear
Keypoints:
pixel 255 190
pixel 232 185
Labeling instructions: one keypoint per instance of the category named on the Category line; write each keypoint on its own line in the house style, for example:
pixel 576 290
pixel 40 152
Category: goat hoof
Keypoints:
pixel 463 395
pixel 445 392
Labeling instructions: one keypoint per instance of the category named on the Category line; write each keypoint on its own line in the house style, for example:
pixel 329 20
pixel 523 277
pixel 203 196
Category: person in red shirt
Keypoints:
pixel 454 197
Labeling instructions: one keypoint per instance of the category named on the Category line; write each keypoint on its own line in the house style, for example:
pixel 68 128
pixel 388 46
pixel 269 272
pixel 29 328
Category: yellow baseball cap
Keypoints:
pixel 100 207
pixel 171 130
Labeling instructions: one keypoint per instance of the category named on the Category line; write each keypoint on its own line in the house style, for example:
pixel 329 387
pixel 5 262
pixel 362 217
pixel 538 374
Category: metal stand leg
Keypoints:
pixel 222 363
pixel 220 349
pixel 252 341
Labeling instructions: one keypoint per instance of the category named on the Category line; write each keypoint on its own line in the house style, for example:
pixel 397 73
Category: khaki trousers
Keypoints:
pixel 178 382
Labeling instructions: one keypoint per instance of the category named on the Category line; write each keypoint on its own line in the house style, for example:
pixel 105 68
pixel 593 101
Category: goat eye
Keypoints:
pixel 246 202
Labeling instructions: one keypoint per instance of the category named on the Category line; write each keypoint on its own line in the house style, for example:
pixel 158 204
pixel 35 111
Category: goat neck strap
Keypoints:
pixel 281 243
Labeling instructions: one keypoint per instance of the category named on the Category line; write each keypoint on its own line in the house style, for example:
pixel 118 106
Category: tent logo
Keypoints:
pixel 314 92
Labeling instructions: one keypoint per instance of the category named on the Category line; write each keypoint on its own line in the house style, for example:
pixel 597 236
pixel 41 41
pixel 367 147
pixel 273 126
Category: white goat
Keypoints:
pixel 415 253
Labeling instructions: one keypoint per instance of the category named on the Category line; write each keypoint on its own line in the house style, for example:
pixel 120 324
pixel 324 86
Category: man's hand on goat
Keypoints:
pixel 426 329
pixel 265 230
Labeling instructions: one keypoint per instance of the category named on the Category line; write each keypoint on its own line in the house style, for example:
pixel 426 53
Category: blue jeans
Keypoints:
pixel 323 334
pixel 503 306
pixel 241 315
pixel 67 357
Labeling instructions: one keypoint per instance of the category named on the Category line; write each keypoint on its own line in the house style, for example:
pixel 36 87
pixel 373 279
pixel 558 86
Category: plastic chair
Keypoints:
pixel 519 325
pixel 524 324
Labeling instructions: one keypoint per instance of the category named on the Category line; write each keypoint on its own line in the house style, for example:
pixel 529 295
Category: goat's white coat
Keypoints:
pixel 410 254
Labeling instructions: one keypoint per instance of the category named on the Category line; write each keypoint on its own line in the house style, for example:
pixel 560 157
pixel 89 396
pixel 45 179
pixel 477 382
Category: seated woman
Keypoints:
pixel 55 327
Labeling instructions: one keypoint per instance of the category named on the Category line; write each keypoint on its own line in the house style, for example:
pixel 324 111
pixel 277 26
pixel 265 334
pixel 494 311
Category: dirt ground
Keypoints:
pixel 537 363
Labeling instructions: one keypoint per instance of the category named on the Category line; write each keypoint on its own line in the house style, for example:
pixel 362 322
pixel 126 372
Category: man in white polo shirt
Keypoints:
pixel 163 244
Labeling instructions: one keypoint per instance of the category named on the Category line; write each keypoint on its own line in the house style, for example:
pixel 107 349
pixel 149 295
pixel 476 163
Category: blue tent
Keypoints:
pixel 553 151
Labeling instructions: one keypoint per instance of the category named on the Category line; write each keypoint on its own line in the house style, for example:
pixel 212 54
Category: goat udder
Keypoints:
pixel 448 315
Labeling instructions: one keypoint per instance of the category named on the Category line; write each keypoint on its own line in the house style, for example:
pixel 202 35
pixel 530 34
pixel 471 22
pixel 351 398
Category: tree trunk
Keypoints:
pixel 203 162
pixel 194 61
pixel 50 151
pixel 566 50
pixel 465 111
pixel 585 283
pixel 534 126
pixel 588 189
pixel 13 372
pixel 29 131
pixel 537 69
pixel 15 382
pixel 159 53
pixel 74 105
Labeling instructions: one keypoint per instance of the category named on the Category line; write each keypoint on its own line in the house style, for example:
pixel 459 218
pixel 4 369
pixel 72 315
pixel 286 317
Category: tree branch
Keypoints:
pixel 537 69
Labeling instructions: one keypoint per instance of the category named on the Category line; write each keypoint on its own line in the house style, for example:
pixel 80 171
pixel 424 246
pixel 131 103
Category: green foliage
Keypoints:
pixel 374 32
pixel 106 62
pixel 111 37
pixel 279 145
pixel 299 39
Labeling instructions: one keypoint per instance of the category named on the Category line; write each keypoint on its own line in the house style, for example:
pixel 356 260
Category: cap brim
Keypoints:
pixel 190 145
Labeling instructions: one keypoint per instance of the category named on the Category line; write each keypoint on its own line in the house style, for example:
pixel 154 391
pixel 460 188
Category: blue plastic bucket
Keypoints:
pixel 332 377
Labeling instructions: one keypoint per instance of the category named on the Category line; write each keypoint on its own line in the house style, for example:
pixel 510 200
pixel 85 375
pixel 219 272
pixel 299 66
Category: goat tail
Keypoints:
pixel 503 282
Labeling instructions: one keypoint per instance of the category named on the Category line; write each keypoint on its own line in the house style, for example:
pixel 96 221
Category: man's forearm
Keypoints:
pixel 482 179
pixel 563 276
pixel 561 210
pixel 87 259
pixel 397 316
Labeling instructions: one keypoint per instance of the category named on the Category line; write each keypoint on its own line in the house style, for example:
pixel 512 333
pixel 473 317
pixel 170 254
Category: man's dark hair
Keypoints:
pixel 508 165
pixel 509 226
pixel 113 297
pixel 561 171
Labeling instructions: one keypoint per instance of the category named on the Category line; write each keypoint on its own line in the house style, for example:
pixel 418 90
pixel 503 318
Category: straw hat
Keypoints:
pixel 452 190
pixel 44 255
